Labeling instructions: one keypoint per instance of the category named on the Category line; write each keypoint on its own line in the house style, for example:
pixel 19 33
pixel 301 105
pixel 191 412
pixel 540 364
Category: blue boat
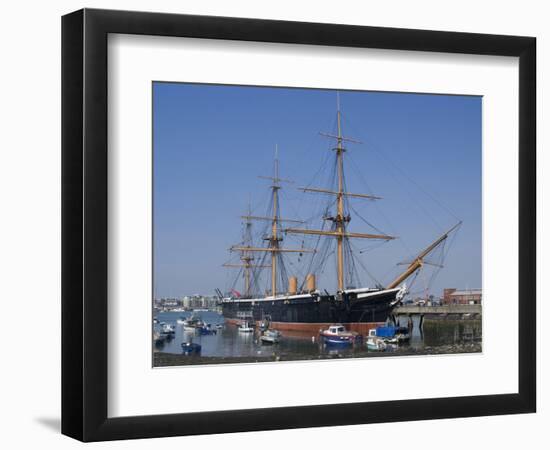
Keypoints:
pixel 386 331
pixel 338 335
pixel 190 348
pixel 393 334
pixel 206 330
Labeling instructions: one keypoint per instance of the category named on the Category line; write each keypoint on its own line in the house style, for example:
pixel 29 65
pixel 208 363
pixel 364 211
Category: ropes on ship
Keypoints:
pixel 321 218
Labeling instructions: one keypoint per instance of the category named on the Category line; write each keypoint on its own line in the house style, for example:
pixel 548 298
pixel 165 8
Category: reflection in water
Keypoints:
pixel 438 336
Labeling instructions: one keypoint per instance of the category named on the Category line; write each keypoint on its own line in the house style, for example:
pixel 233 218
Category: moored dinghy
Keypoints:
pixel 270 337
pixel 375 343
pixel 190 348
pixel 193 323
pixel 167 330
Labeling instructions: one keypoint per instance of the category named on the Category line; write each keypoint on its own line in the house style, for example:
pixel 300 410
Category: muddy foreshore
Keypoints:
pixel 161 359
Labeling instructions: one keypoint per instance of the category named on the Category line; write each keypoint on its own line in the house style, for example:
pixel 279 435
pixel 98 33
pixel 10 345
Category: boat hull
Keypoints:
pixel 339 340
pixel 311 313
pixel 376 345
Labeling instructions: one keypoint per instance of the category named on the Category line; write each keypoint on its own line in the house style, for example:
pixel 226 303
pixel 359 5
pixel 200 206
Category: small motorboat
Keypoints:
pixel 375 343
pixel 338 335
pixel 192 323
pixel 167 330
pixel 181 320
pixel 219 326
pixel 190 348
pixel 246 327
pixel 270 337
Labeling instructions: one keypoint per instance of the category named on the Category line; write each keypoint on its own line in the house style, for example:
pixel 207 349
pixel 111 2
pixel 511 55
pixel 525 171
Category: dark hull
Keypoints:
pixel 307 311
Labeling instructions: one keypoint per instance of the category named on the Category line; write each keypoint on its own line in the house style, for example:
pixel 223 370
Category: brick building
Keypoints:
pixel 451 296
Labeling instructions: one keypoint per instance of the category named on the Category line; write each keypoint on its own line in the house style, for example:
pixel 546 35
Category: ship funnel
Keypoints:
pixel 292 285
pixel 310 282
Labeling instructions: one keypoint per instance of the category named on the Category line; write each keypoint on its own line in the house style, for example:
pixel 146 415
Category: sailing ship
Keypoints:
pixel 289 308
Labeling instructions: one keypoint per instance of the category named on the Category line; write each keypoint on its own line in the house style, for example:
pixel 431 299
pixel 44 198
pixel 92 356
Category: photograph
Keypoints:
pixel 304 224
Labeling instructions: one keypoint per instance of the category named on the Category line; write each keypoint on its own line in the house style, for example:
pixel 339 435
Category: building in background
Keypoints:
pixel 452 296
pixel 187 302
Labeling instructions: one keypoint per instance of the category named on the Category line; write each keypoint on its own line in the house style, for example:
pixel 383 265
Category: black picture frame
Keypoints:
pixel 84 224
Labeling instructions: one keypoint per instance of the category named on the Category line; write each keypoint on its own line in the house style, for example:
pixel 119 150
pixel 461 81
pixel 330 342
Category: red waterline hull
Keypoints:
pixel 312 329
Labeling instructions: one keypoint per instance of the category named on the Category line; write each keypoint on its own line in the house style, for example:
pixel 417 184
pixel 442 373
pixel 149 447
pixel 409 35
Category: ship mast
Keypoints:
pixel 246 257
pixel 274 238
pixel 340 219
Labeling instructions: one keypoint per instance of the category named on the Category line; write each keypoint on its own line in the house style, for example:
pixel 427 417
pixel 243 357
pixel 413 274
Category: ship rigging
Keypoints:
pixel 273 239
pixel 306 307
pixel 342 217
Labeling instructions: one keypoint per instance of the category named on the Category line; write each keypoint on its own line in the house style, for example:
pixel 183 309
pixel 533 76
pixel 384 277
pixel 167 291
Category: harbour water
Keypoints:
pixel 229 345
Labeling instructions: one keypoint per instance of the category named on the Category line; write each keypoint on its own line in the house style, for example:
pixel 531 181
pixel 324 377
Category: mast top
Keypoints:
pixel 276 178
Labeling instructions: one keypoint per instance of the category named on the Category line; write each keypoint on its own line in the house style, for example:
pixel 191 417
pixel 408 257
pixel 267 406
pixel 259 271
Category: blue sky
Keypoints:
pixel 421 153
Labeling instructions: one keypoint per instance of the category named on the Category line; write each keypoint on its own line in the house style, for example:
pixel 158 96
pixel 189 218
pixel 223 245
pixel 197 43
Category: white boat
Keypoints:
pixel 375 343
pixel 193 323
pixel 167 330
pixel 270 337
pixel 246 327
